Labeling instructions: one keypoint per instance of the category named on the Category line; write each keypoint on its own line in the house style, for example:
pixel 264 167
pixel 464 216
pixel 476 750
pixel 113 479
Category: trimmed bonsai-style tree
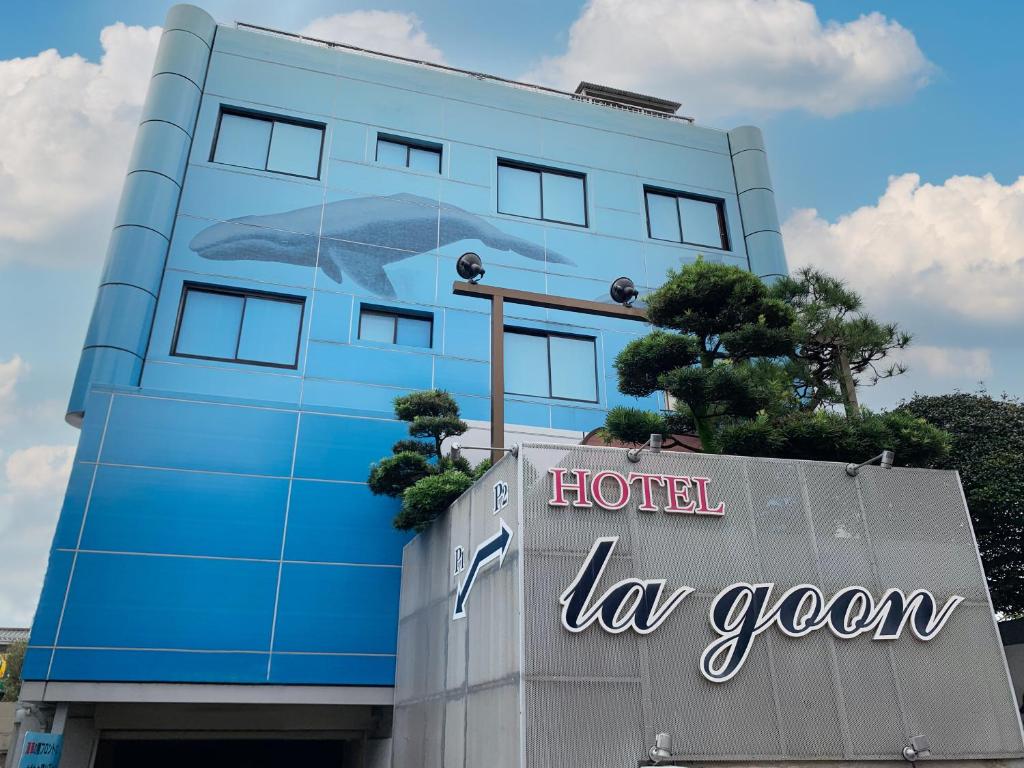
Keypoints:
pixel 712 321
pixel 417 472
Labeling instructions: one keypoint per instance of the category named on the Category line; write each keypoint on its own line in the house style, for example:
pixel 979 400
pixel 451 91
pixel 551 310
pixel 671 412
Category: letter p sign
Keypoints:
pixel 500 496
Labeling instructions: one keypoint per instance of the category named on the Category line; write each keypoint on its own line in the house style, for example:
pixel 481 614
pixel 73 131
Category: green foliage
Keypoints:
pixel 632 425
pixel 431 402
pixel 643 362
pixel 12 677
pixel 414 446
pixel 432 414
pixel 723 390
pixel 988 451
pixel 716 303
pixel 417 472
pixel 428 498
pixel 828 436
pixel 838 347
pixel 437 427
pixel 722 318
pixel 392 475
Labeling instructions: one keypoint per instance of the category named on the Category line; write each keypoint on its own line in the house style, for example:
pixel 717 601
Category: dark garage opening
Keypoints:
pixel 218 753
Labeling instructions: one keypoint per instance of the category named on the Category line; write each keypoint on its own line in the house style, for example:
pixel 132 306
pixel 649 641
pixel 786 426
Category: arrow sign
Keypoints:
pixel 488 550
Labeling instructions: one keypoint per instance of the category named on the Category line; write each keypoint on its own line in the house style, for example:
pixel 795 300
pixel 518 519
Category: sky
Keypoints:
pixel 893 132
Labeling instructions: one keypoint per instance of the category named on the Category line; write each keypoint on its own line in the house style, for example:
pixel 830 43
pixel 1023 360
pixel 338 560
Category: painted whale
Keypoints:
pixel 398 226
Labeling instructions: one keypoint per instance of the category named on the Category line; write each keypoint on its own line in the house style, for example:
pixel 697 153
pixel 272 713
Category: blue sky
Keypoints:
pixel 893 130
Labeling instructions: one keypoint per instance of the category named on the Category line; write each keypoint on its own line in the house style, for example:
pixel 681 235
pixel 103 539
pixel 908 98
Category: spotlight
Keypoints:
pixel 470 267
pixel 662 749
pixel 623 291
pixel 919 747
pixel 653 443
pixel 885 460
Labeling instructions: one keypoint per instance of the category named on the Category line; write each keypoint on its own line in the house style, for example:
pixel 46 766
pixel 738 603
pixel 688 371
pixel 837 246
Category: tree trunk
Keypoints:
pixel 706 434
pixel 847 386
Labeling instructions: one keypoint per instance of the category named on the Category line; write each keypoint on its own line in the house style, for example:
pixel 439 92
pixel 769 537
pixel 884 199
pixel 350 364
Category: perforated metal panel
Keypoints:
pixel 457 687
pixel 815 697
pixel 509 686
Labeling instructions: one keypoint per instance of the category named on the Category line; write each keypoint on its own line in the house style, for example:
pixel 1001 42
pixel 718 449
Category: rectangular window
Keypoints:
pixel 407 153
pixel 268 143
pixel 686 219
pixel 550 365
pixel 542 193
pixel 239 326
pixel 409 329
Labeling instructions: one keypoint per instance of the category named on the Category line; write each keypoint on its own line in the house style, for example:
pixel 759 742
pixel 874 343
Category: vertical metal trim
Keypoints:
pixel 988 595
pixel 497 377
pixel 756 541
pixel 735 186
pixel 904 715
pixel 837 691
pixel 521 599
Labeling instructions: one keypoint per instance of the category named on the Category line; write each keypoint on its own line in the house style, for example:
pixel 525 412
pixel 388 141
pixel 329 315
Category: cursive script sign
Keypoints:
pixel 742 611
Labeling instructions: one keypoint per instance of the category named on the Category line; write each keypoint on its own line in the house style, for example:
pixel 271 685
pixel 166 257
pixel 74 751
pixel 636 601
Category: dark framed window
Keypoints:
pixel 542 193
pixel 217 323
pixel 411 329
pixel 268 143
pixel 408 153
pixel 685 218
pixel 550 365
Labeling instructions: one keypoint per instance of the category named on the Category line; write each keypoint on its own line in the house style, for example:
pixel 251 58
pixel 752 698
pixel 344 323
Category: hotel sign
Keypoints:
pixel 741 611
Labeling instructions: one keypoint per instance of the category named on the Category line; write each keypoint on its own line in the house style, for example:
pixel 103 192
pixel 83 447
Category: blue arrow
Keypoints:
pixel 486 552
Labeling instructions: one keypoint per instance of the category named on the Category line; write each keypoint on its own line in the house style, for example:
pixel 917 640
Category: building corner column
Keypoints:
pixel 122 317
pixel 762 232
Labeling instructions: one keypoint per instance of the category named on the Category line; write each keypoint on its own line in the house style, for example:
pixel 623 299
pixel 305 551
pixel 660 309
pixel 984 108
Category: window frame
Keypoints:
pixel 409 314
pixel 408 143
pixel 540 170
pixel 244 294
pixel 723 223
pixel 547 337
pixel 271 118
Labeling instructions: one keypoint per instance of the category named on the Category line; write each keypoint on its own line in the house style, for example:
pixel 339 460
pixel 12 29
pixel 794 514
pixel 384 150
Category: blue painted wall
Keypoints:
pixel 217 526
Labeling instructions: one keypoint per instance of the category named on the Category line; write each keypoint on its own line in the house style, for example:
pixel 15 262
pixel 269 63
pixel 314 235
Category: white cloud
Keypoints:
pixel 955 248
pixel 385 31
pixel 40 468
pixel 946 261
pixel 10 373
pixel 729 56
pixel 964 364
pixel 68 126
pixel 33 484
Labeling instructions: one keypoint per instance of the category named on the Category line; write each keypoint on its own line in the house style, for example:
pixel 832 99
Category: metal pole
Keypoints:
pixel 497 376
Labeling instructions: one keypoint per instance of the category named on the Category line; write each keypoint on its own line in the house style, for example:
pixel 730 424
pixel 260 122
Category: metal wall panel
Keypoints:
pixel 814 697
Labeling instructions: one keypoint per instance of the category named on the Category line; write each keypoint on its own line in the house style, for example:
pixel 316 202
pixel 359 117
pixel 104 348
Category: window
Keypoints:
pixel 407 328
pixel 550 365
pixel 223 324
pixel 268 144
pixel 406 153
pixel 542 193
pixel 686 219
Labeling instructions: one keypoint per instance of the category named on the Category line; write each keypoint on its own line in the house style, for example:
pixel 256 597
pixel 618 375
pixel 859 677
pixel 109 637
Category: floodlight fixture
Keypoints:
pixel 623 291
pixel 470 267
pixel 654 443
pixel 885 460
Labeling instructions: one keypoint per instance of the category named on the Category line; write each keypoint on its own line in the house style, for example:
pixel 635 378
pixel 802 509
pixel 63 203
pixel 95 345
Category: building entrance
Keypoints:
pixel 217 753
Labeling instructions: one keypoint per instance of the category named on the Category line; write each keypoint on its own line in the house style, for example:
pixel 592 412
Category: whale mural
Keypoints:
pixel 359 237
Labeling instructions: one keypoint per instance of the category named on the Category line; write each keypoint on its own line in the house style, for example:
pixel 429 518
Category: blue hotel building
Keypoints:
pixel 280 268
